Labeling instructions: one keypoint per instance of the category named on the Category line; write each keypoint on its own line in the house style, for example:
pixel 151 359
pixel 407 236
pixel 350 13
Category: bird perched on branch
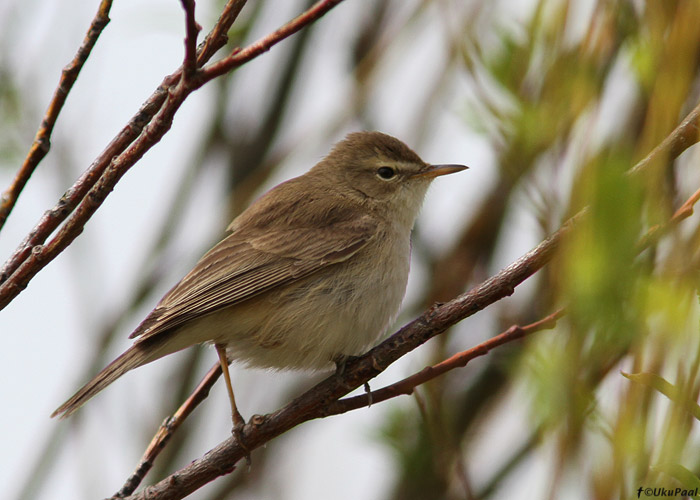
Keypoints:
pixel 313 272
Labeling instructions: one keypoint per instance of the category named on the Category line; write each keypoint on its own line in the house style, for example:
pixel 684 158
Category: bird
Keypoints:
pixel 311 273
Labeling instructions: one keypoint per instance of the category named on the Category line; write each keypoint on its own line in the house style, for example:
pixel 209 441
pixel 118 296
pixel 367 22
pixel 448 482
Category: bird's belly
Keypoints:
pixel 307 325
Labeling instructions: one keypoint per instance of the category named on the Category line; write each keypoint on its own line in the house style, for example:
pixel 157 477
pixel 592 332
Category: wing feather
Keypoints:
pixel 248 263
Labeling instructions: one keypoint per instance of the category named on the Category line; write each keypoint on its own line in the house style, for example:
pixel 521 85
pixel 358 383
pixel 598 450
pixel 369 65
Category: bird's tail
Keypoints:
pixel 137 355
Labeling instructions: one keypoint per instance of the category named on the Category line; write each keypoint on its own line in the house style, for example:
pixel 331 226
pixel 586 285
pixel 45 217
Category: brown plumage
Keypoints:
pixel 312 271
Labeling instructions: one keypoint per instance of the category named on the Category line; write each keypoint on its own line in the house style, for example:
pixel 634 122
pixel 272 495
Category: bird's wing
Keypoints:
pixel 242 266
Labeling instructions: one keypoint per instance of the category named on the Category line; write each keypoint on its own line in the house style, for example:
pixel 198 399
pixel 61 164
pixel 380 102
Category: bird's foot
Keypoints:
pixel 238 435
pixel 341 361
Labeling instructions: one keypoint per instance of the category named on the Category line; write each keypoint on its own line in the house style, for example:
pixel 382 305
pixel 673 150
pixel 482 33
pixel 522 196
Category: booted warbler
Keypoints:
pixel 313 271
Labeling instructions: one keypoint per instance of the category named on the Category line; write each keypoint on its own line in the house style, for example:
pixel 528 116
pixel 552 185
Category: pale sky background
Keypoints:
pixel 43 330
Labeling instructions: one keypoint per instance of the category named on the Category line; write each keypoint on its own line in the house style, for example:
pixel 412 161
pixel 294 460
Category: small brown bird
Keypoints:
pixel 313 272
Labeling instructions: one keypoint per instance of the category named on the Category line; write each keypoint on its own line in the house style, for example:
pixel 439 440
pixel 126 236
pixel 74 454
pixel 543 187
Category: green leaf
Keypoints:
pixel 669 390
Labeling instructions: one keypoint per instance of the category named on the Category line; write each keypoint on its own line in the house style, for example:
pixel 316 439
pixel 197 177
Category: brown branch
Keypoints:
pixel 686 210
pixel 54 217
pixel 218 37
pixel 192 29
pixel 112 168
pixel 42 141
pixel 239 57
pixel 683 136
pixel 405 386
pixel 459 360
pixel 143 131
pixel 657 231
pixel 167 429
pixel 314 403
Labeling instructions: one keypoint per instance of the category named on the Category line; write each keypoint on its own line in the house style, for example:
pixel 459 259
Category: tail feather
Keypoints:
pixel 137 355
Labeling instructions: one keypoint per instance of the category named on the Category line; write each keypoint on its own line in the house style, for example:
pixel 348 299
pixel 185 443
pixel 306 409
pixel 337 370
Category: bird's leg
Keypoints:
pixel 236 417
pixel 238 420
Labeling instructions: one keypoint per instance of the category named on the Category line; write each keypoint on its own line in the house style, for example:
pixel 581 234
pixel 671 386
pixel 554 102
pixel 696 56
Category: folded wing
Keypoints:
pixel 251 262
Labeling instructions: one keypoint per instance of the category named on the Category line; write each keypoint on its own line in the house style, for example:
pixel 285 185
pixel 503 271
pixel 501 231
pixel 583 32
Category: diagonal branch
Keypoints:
pixel 239 57
pixel 167 429
pixel 54 217
pixel 42 141
pixel 683 136
pixel 459 360
pixel 218 37
pixel 189 65
pixel 315 402
pixel 9 284
pixel 656 232
pixel 142 133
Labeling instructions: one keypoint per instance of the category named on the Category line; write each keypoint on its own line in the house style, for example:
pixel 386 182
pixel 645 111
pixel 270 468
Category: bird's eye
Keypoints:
pixel 386 173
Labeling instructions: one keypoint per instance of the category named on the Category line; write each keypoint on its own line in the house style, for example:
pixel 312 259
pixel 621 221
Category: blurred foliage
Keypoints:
pixel 543 87
pixel 568 95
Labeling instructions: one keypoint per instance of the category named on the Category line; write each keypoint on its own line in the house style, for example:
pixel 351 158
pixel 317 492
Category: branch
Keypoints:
pixel 167 429
pixel 656 232
pixel 239 57
pixel 10 286
pixel 192 29
pixel 405 386
pixel 42 140
pixel 218 37
pixel 314 403
pixel 683 136
pixel 143 132
pixel 459 360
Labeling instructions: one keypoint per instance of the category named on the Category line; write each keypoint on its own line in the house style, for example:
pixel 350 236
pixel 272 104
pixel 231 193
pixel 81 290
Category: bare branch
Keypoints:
pixel 239 57
pixel 143 132
pixel 167 429
pixel 217 38
pixel 683 136
pixel 42 141
pixel 192 29
pixel 54 217
pixel 405 386
pixel 459 360
pixel 683 212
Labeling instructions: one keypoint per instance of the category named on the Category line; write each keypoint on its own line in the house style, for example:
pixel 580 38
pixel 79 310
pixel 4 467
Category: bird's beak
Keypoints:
pixel 432 171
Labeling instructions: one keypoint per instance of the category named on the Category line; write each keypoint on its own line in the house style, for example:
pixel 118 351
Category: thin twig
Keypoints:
pixel 656 232
pixel 192 29
pixel 459 360
pixel 111 165
pixel 42 140
pixel 217 37
pixel 683 136
pixel 55 216
pixel 167 429
pixel 239 57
